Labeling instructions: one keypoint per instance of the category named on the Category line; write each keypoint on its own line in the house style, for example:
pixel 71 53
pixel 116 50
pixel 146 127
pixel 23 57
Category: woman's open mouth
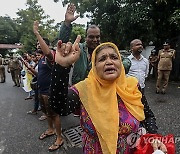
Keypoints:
pixel 110 70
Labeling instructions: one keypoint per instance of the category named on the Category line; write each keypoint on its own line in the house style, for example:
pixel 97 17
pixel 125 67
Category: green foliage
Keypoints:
pixel 8 30
pixel 126 23
pixel 161 14
pixel 121 21
pixel 78 29
pixel 175 18
pixel 25 21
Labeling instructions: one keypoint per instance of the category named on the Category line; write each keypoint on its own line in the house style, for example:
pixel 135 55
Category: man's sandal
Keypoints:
pixel 55 146
pixel 45 135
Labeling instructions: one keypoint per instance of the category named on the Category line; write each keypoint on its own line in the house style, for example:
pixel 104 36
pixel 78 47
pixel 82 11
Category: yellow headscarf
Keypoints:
pixel 99 97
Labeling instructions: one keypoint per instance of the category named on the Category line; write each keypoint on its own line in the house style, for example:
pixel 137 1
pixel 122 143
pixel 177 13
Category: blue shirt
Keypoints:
pixel 44 76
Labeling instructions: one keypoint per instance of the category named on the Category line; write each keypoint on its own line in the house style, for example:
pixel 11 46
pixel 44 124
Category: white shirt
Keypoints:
pixel 36 68
pixel 139 69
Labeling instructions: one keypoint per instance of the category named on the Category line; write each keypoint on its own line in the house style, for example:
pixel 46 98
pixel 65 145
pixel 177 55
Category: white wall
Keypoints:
pixel 147 51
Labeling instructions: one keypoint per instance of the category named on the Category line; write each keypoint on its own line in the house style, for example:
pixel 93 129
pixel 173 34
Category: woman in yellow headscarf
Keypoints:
pixel 110 103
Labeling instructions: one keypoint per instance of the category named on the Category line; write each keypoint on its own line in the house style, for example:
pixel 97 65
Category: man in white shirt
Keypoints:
pixel 139 64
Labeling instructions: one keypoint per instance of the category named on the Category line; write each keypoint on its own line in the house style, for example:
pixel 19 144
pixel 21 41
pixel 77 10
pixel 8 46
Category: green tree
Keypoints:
pixel 162 13
pixel 175 18
pixel 8 30
pixel 121 21
pixel 25 21
pixel 78 29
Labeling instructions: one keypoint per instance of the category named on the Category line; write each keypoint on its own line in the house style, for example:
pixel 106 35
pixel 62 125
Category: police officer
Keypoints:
pixel 165 56
pixel 14 68
pixel 2 70
pixel 153 63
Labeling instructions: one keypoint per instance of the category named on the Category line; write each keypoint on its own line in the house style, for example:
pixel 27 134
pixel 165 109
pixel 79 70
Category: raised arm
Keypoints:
pixel 66 27
pixel 29 68
pixel 43 45
pixel 67 54
pixel 69 15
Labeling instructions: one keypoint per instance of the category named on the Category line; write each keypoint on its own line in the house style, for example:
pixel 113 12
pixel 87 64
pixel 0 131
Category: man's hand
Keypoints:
pixel 69 15
pixel 156 144
pixel 36 27
pixel 67 54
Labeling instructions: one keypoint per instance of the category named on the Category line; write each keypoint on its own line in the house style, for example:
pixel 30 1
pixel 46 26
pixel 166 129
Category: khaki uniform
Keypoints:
pixel 164 68
pixel 14 69
pixel 2 71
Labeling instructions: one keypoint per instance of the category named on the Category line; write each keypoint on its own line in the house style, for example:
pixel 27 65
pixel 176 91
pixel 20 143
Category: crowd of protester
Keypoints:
pixel 105 89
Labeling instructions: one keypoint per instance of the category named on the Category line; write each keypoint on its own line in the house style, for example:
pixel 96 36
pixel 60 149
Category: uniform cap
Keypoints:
pixel 166 42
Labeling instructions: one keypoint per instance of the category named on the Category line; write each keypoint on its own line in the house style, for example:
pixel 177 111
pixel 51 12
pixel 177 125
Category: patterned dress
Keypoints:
pixel 91 144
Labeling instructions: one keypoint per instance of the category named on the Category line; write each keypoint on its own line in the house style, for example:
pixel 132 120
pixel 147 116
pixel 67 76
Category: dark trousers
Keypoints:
pixel 2 74
pixel 36 100
pixel 154 71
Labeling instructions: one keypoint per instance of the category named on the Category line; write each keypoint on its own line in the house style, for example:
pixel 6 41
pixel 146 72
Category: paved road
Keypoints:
pixel 19 132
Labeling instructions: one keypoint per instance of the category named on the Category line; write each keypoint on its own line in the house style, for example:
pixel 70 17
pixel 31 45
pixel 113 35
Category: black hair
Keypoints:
pixel 39 51
pixel 167 42
pixel 34 54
